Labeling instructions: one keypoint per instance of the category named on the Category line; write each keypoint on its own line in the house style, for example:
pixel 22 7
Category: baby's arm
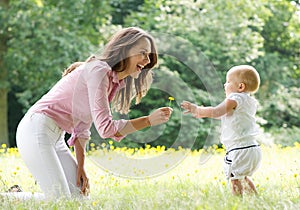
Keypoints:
pixel 212 112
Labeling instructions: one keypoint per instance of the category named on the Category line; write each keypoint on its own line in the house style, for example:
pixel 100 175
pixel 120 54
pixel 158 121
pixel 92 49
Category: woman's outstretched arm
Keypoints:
pixel 157 117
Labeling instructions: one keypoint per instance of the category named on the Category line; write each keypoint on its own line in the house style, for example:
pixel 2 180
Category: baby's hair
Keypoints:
pixel 248 75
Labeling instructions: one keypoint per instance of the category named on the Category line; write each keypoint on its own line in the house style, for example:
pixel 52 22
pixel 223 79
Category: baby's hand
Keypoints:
pixel 186 105
pixel 189 108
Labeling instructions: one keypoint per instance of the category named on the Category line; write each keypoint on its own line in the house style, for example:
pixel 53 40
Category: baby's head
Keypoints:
pixel 246 76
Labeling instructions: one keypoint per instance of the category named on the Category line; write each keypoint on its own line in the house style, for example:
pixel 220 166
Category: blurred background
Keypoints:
pixel 39 39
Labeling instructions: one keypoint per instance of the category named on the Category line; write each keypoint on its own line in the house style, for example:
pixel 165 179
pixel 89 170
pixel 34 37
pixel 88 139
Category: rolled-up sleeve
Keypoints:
pixel 82 131
pixel 98 85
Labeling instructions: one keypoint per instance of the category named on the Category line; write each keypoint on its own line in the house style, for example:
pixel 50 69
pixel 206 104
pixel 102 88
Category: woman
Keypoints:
pixel 82 97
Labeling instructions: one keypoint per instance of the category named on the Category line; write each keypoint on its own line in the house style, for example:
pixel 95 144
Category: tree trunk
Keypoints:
pixel 3 118
pixel 3 84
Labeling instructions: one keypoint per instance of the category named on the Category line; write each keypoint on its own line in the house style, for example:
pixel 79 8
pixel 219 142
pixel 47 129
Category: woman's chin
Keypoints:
pixel 135 75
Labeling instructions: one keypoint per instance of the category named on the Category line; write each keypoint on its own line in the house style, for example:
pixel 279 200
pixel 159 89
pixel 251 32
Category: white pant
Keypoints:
pixel 244 162
pixel 41 145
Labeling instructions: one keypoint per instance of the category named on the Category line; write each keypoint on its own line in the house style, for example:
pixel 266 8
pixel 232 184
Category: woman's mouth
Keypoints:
pixel 140 67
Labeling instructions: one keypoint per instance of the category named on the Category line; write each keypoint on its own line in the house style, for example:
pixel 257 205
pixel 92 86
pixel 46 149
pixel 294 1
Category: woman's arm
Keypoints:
pixel 82 179
pixel 157 117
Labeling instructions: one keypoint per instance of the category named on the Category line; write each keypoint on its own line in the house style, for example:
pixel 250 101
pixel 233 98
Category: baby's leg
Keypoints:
pixel 237 188
pixel 249 186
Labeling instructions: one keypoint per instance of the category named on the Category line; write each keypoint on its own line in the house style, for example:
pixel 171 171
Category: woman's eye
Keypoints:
pixel 144 53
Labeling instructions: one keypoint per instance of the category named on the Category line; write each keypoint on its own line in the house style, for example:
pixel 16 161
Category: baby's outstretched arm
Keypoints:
pixel 212 112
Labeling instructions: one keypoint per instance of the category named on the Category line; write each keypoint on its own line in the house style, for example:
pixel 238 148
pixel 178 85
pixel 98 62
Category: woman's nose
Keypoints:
pixel 147 59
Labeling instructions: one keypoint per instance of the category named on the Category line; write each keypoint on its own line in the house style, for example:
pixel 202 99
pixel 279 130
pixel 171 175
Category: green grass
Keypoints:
pixel 189 185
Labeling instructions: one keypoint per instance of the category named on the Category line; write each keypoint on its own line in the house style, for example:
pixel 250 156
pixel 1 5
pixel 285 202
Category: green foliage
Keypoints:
pixel 282 109
pixel 44 38
pixel 279 70
pixel 198 42
pixel 286 136
pixel 201 36
pixel 279 64
pixel 281 29
pixel 121 8
pixel 261 33
pixel 226 39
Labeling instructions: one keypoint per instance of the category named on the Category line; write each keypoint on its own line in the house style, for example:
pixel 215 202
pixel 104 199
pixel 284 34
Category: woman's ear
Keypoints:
pixel 242 87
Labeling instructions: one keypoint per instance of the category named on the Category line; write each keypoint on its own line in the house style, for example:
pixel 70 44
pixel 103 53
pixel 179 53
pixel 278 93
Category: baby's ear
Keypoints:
pixel 242 87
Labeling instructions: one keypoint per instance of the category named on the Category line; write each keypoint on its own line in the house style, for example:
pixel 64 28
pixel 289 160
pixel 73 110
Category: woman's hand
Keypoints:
pixel 160 116
pixel 83 181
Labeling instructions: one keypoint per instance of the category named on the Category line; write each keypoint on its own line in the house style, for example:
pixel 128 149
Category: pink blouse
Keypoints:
pixel 81 98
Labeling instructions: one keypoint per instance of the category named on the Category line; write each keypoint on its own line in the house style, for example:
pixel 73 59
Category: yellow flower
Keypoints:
pixel 3 146
pixel 170 100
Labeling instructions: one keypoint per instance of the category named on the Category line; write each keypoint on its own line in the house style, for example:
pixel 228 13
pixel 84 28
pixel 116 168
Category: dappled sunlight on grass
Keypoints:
pixel 196 182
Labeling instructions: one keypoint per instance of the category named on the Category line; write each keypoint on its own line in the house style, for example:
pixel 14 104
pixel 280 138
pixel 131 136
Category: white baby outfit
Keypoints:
pixel 238 133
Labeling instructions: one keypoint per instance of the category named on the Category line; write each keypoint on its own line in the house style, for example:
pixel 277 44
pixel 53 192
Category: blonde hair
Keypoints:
pixel 116 54
pixel 248 75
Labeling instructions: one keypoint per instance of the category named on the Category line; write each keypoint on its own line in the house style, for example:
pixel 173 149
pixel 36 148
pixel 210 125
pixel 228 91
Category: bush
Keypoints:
pixel 286 136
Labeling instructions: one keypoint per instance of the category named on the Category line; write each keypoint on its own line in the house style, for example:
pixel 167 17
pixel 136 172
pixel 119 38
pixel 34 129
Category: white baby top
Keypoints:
pixel 239 128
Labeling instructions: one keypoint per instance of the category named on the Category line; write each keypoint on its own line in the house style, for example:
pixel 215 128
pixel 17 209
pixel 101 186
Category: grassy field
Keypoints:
pixel 189 185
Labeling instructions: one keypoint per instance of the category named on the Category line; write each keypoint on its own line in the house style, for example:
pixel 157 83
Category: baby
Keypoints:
pixel 238 126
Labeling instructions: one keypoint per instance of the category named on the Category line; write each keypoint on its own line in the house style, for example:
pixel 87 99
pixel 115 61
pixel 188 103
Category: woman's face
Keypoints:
pixel 138 57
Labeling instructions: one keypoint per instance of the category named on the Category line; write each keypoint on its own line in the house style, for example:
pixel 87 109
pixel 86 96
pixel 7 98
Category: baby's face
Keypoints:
pixel 232 84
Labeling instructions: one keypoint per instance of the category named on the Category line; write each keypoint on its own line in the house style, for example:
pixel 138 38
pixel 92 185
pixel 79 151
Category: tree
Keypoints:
pixel 44 37
pixel 41 39
pixel 3 77
pixel 210 31
pixel 280 65
pixel 121 8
